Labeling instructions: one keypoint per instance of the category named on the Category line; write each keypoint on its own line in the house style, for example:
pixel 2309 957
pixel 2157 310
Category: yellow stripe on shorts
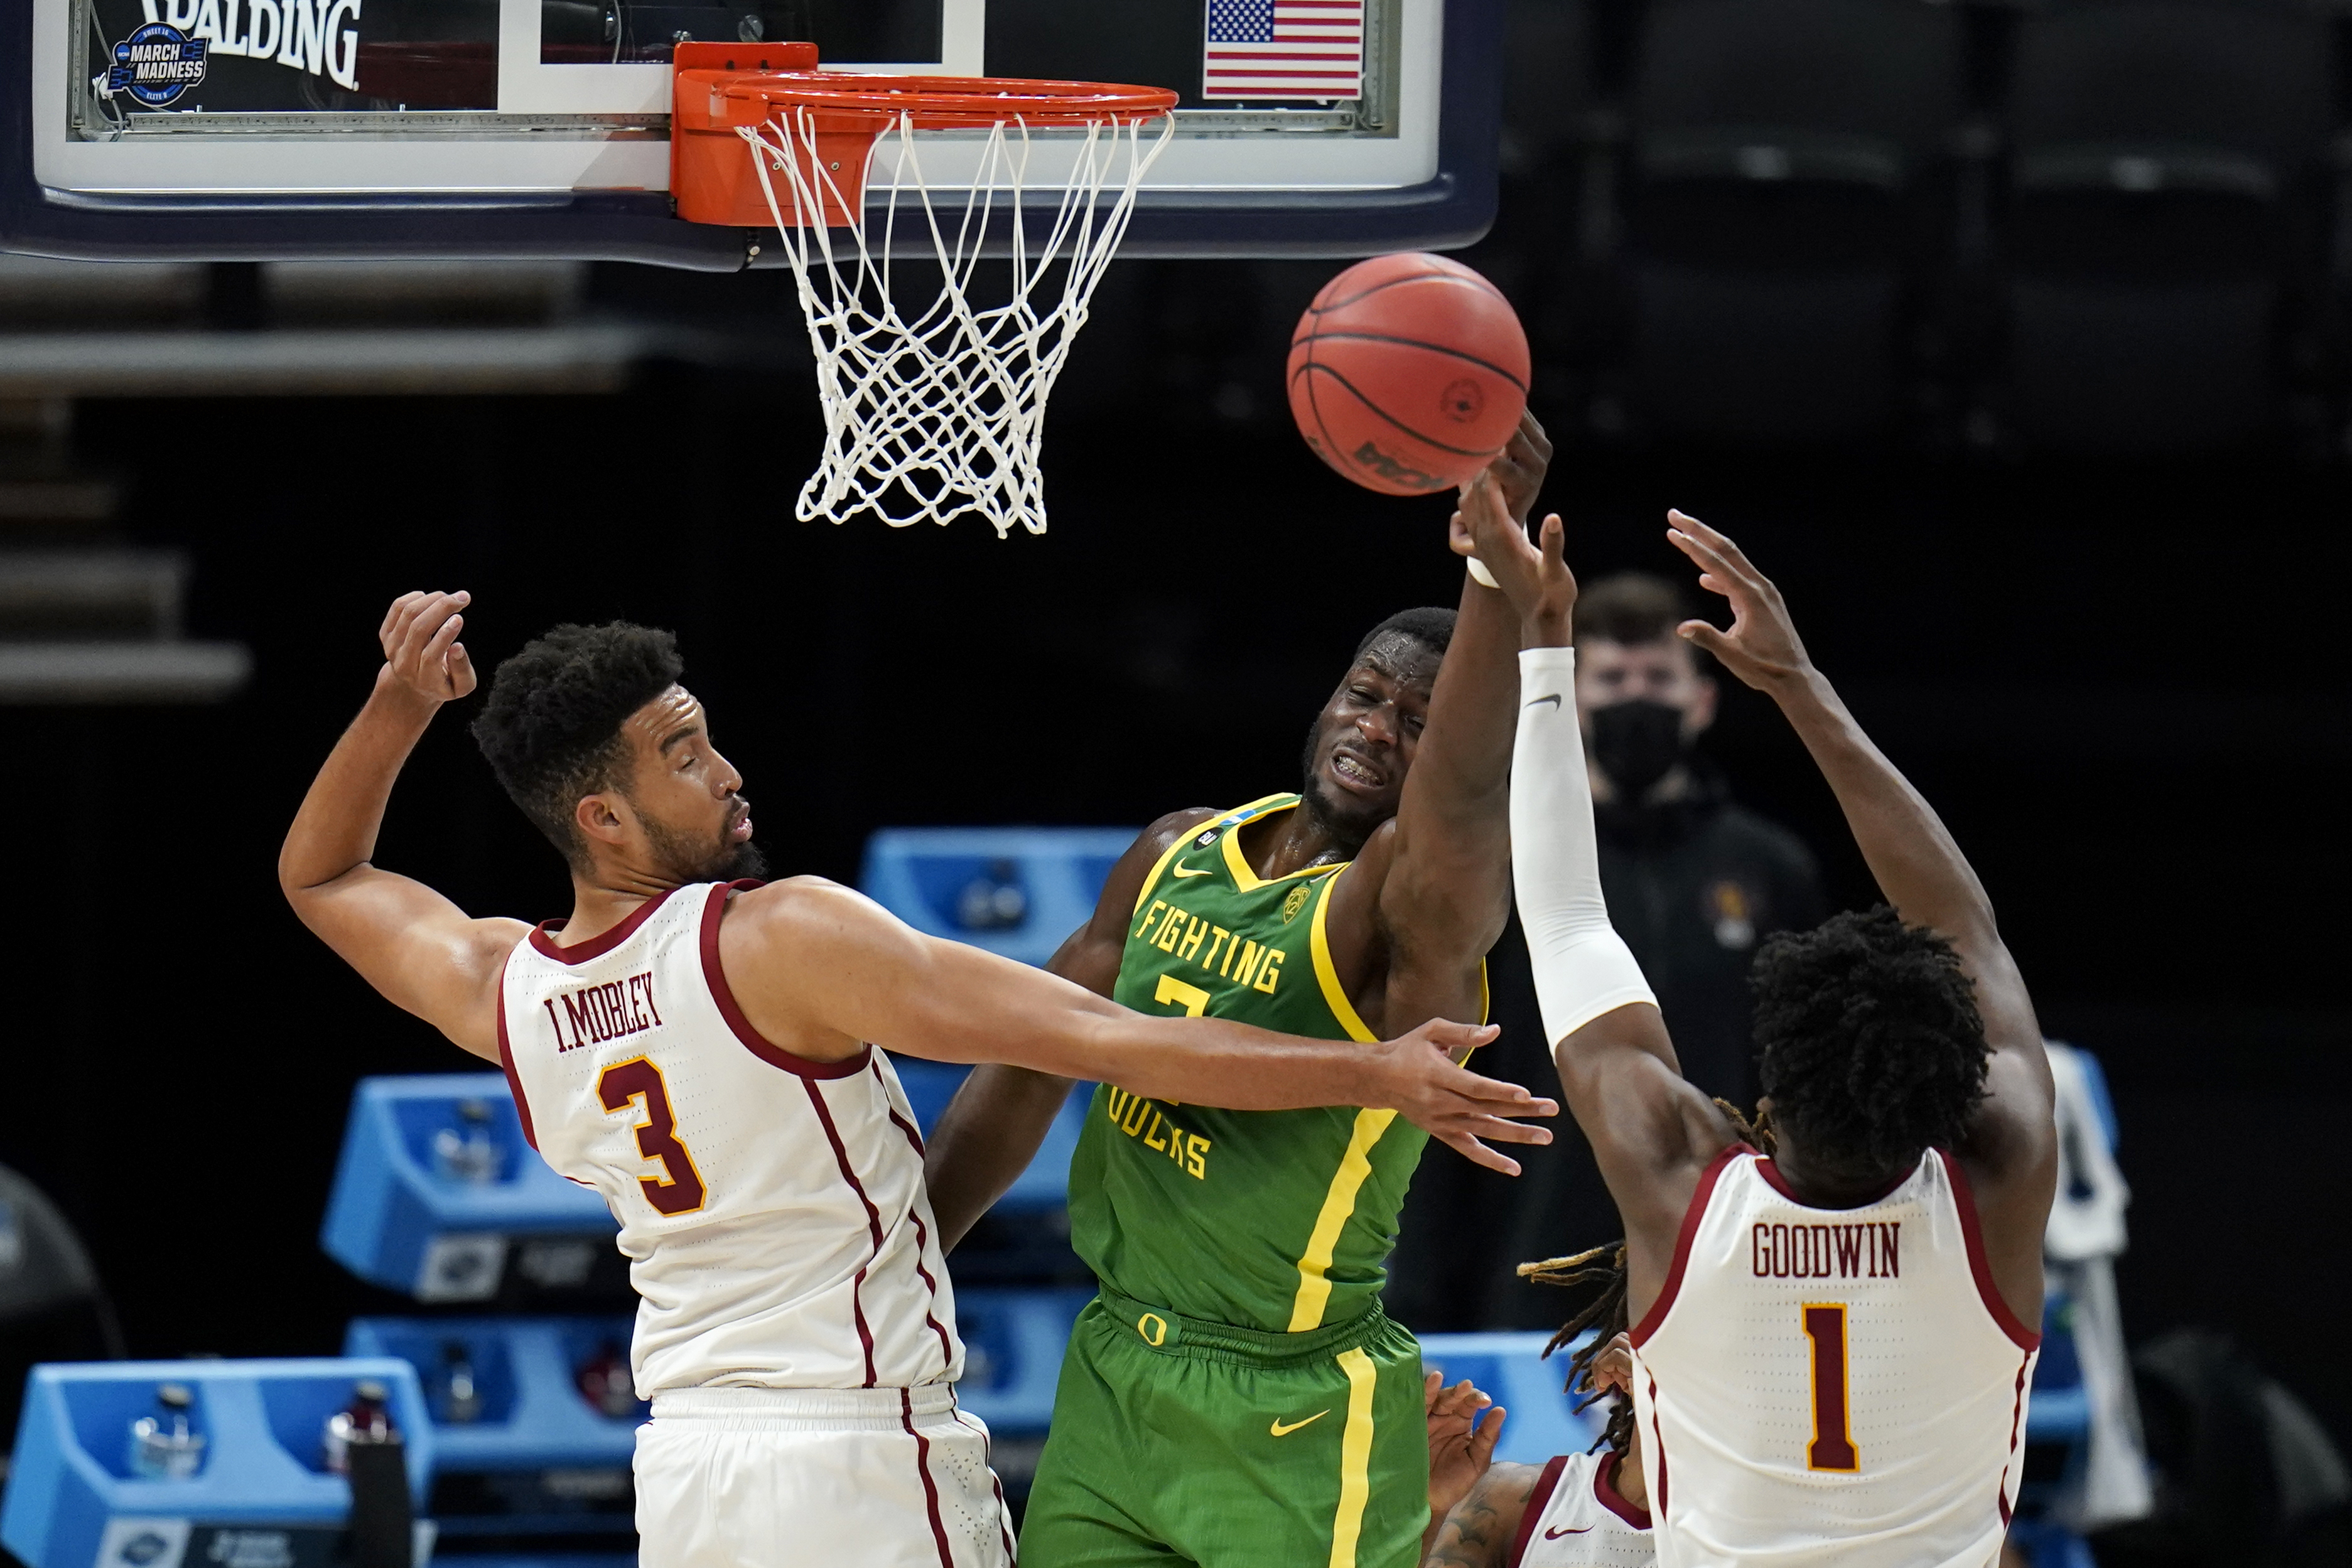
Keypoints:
pixel 1355 1458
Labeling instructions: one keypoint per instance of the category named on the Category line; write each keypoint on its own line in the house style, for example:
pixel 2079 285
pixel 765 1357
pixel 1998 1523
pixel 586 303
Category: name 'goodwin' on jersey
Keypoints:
pixel 1277 1220
pixel 1836 1389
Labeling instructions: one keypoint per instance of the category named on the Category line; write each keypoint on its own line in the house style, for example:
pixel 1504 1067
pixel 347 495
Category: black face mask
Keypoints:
pixel 1636 744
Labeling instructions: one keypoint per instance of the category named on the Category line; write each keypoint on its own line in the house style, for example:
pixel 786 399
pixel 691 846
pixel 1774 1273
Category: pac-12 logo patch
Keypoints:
pixel 1295 903
pixel 155 65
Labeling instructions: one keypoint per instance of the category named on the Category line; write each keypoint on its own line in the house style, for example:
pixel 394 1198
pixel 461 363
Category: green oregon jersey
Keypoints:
pixel 1277 1220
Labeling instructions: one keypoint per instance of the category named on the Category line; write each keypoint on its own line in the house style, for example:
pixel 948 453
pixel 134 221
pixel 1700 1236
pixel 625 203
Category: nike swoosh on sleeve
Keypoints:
pixel 1536 701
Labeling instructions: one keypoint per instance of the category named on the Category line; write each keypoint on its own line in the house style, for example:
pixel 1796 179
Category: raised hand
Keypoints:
pixel 421 651
pixel 1613 1367
pixel 1535 578
pixel 1416 1076
pixel 1761 645
pixel 1519 471
pixel 1461 1439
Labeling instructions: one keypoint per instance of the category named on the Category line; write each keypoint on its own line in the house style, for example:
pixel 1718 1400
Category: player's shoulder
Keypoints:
pixel 800 909
pixel 1162 834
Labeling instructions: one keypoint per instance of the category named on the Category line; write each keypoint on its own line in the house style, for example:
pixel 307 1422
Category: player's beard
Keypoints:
pixel 1349 828
pixel 691 860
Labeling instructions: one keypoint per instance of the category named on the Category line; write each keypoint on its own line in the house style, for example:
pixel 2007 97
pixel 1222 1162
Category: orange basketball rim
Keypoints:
pixel 722 88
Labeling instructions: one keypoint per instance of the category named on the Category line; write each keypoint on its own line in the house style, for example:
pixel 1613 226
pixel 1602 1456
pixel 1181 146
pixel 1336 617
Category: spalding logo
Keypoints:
pixel 1462 402
pixel 1370 456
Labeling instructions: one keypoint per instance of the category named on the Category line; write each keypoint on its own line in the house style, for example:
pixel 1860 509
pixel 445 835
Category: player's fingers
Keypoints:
pixel 391 613
pixel 445 637
pixel 1555 543
pixel 1478 1153
pixel 1450 1036
pixel 1485 1434
pixel 1723 545
pixel 1711 638
pixel 1501 1129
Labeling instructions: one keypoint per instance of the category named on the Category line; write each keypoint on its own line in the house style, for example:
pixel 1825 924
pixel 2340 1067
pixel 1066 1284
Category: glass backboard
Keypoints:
pixel 253 128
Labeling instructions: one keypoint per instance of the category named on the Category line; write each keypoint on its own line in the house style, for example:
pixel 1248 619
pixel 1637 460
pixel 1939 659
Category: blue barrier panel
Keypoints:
pixel 1510 1369
pixel 519 1447
pixel 258 1487
pixel 435 1182
pixel 1014 891
pixel 1046 1185
pixel 1014 1341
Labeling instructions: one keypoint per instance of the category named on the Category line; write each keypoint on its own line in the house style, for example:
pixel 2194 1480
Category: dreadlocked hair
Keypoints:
pixel 1605 1316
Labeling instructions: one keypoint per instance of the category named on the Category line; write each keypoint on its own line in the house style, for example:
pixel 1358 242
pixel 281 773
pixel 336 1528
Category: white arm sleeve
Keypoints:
pixel 1583 967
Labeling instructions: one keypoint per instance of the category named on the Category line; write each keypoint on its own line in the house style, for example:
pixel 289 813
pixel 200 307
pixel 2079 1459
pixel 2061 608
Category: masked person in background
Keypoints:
pixel 1693 881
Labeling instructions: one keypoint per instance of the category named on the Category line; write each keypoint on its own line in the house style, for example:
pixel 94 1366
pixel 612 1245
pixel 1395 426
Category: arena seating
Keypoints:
pixel 2162 223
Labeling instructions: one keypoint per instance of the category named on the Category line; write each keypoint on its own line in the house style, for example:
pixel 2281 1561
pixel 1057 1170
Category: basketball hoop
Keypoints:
pixel 941 411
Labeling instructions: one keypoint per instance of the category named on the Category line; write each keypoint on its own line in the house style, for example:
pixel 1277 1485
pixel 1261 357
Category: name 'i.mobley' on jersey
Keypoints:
pixel 598 1013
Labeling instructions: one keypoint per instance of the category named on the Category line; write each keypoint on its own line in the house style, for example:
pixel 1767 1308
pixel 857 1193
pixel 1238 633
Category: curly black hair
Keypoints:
pixel 551 727
pixel 1605 1316
pixel 1869 1043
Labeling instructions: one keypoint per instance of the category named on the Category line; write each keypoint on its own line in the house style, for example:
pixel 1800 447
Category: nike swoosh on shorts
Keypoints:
pixel 1282 1431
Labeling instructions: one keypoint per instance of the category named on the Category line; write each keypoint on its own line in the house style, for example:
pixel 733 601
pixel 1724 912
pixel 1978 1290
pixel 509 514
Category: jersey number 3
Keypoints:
pixel 1833 1445
pixel 679 1189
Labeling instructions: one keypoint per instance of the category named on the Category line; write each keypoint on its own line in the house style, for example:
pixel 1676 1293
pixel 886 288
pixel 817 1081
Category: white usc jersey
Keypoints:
pixel 1576 1520
pixel 772 1207
pixel 1839 1388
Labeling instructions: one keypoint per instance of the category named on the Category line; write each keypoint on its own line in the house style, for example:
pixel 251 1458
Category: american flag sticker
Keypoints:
pixel 1284 48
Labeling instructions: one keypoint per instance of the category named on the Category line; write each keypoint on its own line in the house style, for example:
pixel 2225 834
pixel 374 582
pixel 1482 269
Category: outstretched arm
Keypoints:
pixel 1651 1131
pixel 2012 1145
pixel 1431 893
pixel 419 949
pixel 991 1129
pixel 834 969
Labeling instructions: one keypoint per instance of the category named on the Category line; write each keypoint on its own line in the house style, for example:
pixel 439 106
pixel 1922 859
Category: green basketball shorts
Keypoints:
pixel 1231 1449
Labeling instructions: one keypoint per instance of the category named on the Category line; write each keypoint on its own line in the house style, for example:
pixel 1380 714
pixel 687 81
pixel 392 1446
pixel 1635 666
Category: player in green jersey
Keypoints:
pixel 1235 1395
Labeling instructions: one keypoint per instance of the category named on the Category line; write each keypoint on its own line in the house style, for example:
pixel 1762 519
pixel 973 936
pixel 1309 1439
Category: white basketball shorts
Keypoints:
pixel 783 1478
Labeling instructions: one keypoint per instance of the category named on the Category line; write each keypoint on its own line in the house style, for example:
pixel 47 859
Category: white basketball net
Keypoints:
pixel 944 414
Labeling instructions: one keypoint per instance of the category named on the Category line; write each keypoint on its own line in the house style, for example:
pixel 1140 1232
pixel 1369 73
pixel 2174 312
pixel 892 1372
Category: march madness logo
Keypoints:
pixel 155 65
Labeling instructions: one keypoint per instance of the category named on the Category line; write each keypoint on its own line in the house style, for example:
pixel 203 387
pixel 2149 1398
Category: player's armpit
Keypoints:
pixel 1478 1532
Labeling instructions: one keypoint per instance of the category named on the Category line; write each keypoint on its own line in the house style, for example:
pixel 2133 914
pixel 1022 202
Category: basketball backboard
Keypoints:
pixel 262 129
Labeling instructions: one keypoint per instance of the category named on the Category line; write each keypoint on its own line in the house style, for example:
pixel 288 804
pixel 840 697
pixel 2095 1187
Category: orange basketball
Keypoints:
pixel 1409 373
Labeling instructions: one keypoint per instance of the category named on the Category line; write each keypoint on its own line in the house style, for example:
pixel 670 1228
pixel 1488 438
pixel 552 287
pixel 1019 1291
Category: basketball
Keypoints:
pixel 1409 373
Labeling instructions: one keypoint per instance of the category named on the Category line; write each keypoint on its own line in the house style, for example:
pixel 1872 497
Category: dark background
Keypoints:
pixel 2119 679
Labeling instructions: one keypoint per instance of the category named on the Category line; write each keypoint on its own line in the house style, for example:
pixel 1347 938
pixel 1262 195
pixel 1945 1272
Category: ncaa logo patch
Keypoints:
pixel 155 65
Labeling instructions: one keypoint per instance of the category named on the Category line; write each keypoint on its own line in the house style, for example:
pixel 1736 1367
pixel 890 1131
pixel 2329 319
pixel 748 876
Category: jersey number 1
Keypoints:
pixel 679 1189
pixel 1833 1445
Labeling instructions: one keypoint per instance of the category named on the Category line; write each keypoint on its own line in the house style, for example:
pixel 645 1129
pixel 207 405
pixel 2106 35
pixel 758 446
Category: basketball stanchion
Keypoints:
pixel 939 412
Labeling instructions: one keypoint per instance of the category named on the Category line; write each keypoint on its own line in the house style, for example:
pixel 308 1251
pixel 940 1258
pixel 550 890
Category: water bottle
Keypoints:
pixel 461 1396
pixel 466 1153
pixel 366 1420
pixel 364 1445
pixel 164 1443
